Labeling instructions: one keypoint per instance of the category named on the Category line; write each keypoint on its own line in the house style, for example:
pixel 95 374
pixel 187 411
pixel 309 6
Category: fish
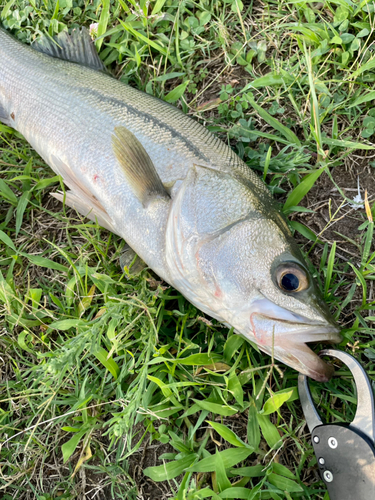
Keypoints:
pixel 181 198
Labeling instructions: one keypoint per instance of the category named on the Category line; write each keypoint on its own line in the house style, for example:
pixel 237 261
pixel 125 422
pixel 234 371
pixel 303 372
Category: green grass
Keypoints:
pixel 111 383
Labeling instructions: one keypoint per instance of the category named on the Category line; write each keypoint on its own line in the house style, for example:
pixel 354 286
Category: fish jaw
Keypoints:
pixel 287 340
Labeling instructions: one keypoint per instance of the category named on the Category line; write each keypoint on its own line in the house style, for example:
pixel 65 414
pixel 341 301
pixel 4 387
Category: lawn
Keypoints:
pixel 112 385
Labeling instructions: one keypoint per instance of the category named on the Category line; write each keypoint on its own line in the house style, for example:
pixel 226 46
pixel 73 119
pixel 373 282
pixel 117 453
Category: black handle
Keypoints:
pixel 346 461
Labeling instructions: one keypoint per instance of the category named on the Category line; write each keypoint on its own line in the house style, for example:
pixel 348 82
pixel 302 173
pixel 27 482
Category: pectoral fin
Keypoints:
pixel 137 167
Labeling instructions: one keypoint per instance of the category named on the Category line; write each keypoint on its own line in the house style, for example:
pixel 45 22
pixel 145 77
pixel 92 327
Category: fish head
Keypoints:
pixel 248 272
pixel 268 294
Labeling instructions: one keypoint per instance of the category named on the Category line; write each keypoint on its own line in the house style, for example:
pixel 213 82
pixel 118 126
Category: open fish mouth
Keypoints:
pixel 288 342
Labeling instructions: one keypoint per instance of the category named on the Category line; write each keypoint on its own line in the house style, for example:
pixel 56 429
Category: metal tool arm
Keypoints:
pixel 345 453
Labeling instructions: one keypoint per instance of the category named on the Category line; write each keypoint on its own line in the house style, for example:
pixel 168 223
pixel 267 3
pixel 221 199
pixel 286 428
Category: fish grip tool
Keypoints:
pixel 345 453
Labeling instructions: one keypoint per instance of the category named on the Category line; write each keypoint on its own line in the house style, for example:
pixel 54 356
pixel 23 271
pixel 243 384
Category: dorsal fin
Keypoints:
pixel 77 47
pixel 137 166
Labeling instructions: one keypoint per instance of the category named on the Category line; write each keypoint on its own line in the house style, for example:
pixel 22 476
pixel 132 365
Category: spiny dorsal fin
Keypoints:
pixel 137 167
pixel 77 47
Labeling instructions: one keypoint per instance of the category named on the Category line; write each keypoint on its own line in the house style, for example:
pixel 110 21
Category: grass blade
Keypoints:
pixel 8 242
pixel 272 137
pixel 169 470
pixel 175 94
pixel 275 401
pixel 267 163
pixel 268 80
pixel 143 38
pixel 111 365
pixel 69 448
pixel 370 96
pixel 305 231
pixel 315 106
pixel 158 6
pixel 227 434
pixel 223 410
pixel 284 484
pixel 103 22
pixel 222 481
pixel 303 188
pixel 367 244
pixel 331 261
pixel 230 458
pixel 364 68
pixel 269 430
pixel 22 204
pixel 362 281
pixel 44 262
pixel 346 144
pixel 240 493
pixel 285 131
pixel 7 193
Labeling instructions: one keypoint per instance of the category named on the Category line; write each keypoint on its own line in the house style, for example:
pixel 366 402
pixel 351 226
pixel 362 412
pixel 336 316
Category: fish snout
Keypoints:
pixel 287 341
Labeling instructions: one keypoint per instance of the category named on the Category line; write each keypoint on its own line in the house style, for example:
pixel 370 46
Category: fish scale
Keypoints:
pixel 180 197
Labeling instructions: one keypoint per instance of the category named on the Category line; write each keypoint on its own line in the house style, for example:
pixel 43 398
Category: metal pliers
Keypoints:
pixel 345 453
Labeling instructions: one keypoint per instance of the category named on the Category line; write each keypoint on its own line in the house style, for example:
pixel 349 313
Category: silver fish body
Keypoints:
pixel 215 235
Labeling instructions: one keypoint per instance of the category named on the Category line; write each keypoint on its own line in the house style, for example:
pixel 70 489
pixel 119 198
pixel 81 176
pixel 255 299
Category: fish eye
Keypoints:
pixel 291 278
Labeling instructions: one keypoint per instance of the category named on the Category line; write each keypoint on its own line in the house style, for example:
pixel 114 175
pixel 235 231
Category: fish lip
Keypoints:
pixel 311 364
pixel 290 345
pixel 320 333
pixel 300 357
pixel 315 367
pixel 298 331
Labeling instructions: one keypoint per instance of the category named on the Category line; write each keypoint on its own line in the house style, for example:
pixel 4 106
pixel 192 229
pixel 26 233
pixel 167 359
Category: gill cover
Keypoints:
pixel 206 213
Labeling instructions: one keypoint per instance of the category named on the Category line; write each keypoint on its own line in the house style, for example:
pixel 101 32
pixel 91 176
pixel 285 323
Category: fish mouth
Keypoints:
pixel 287 341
